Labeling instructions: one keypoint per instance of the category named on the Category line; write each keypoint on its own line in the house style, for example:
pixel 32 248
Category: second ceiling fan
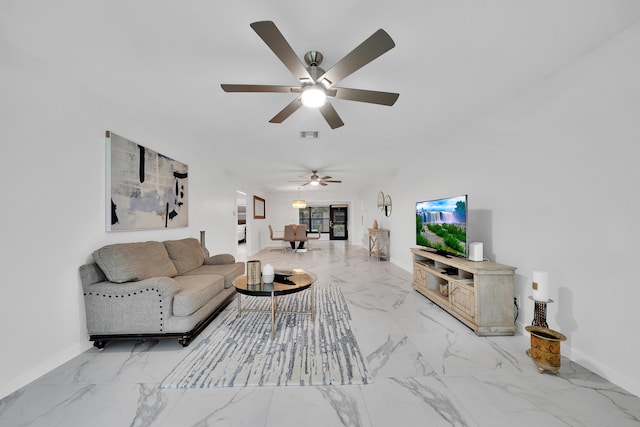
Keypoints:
pixel 315 179
pixel 316 84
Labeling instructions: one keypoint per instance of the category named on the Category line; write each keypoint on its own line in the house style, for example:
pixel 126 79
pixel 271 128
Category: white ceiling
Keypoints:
pixel 454 61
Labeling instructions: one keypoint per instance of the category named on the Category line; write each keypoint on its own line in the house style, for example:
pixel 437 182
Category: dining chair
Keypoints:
pixel 290 234
pixel 272 237
pixel 314 237
pixel 301 235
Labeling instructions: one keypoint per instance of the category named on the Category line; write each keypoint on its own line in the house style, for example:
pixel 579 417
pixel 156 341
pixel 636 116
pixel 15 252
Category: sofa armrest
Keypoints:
pixel 166 286
pixel 220 259
pixel 130 307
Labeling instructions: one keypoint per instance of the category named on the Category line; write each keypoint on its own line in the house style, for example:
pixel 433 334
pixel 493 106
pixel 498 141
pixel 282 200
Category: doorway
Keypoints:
pixel 338 229
pixel 241 225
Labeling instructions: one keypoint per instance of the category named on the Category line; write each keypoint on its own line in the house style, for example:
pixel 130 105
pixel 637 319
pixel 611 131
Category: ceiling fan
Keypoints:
pixel 315 179
pixel 316 84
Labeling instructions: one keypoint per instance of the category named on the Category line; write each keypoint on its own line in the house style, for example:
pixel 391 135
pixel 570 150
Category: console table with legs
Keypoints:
pixel 379 243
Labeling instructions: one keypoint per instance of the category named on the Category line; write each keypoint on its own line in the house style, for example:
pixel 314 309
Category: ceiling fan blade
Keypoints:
pixel 291 108
pixel 336 181
pixel 379 43
pixel 371 96
pixel 323 184
pixel 330 115
pixel 306 183
pixel 325 178
pixel 270 34
pixel 259 88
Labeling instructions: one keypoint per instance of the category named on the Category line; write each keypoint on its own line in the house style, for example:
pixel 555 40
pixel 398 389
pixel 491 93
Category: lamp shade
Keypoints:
pixel 299 204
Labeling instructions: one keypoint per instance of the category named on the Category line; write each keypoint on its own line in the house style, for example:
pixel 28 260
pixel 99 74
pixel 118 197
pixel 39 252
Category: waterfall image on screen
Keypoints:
pixel 442 225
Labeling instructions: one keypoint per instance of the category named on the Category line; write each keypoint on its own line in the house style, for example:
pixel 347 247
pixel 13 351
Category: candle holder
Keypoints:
pixel 540 313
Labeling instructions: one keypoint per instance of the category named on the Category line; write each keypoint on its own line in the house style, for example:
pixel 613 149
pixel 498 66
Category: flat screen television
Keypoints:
pixel 441 225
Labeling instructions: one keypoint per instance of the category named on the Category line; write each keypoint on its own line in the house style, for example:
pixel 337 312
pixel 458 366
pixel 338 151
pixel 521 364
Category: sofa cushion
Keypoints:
pixel 195 292
pixel 220 259
pixel 186 254
pixel 126 262
pixel 229 271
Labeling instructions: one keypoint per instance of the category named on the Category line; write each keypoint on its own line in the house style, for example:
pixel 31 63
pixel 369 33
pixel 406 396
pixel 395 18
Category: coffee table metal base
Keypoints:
pixel 274 309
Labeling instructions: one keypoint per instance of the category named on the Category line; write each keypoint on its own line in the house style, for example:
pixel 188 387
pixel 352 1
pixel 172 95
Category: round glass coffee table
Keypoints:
pixel 285 282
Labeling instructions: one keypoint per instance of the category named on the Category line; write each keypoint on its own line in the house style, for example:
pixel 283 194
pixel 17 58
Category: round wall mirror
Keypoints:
pixel 387 205
pixel 381 201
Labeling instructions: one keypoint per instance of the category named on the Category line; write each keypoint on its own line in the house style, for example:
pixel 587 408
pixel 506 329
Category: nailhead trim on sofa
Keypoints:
pixel 161 306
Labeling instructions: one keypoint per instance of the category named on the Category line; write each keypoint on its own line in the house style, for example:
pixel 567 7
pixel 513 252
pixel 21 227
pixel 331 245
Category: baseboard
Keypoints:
pixel 43 368
pixel 619 379
pixel 576 356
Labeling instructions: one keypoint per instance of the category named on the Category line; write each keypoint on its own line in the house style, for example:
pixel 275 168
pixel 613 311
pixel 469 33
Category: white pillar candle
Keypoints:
pixel 540 286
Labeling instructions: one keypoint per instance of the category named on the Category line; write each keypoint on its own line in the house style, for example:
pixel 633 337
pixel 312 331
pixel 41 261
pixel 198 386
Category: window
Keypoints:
pixel 313 216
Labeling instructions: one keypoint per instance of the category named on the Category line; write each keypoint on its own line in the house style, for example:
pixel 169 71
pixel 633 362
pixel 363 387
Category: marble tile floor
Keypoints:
pixel 428 368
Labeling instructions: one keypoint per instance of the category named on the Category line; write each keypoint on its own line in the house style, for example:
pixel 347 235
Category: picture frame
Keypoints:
pixel 259 208
pixel 145 190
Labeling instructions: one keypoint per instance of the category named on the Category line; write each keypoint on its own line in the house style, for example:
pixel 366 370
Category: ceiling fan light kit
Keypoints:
pixel 316 84
pixel 313 96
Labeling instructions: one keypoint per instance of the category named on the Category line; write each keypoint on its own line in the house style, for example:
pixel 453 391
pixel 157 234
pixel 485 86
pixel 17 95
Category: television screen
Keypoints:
pixel 442 225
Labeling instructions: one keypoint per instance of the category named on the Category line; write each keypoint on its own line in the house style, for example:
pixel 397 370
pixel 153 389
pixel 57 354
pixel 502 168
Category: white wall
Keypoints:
pixel 53 215
pixel 552 181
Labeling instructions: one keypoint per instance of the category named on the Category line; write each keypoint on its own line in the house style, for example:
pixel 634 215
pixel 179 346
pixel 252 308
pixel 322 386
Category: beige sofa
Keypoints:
pixel 151 290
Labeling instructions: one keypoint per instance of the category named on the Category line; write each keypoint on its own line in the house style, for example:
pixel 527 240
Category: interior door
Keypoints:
pixel 338 222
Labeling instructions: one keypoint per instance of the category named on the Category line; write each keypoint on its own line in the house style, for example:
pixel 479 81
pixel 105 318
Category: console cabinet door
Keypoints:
pixel 463 299
pixel 420 275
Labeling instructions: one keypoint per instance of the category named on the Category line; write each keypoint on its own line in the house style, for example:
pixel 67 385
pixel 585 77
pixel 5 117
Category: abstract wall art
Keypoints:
pixel 145 190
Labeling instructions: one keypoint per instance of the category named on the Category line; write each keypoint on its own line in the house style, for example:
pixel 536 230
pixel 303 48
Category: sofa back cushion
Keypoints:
pixel 127 262
pixel 186 254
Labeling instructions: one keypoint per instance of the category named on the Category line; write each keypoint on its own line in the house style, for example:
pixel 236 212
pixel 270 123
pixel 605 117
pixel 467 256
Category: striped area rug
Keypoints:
pixel 240 351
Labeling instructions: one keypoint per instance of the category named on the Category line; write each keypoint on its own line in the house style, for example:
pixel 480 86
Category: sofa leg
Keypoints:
pixel 99 344
pixel 185 341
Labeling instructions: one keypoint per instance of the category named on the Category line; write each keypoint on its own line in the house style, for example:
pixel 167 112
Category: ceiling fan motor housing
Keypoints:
pixel 313 58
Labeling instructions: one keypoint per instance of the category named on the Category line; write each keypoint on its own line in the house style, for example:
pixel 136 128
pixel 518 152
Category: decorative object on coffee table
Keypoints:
pixel 253 276
pixel 268 273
